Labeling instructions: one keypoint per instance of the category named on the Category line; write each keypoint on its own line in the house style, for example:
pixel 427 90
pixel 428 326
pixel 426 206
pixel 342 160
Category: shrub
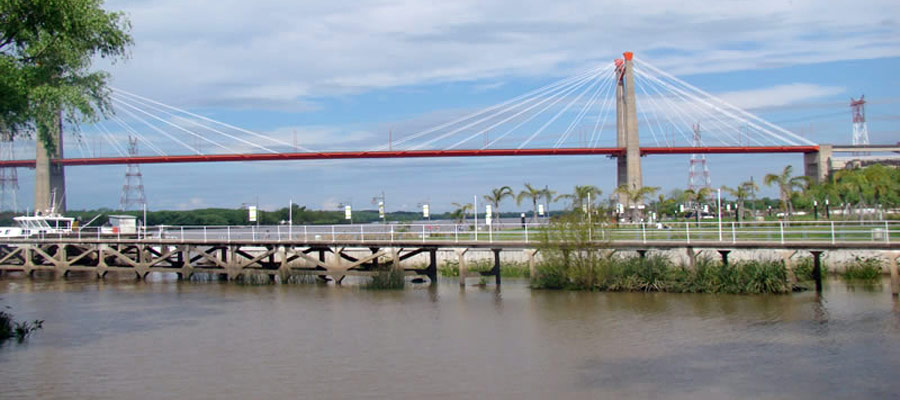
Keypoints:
pixel 10 328
pixel 388 279
pixel 863 269
pixel 803 270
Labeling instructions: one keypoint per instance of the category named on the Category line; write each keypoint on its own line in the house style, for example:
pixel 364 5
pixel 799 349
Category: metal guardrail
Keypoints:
pixel 669 232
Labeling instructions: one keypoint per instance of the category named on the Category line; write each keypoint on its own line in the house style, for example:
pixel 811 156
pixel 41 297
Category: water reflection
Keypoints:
pixel 180 339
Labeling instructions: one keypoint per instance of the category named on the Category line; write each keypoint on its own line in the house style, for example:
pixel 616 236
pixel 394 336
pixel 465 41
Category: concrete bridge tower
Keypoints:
pixel 629 163
pixel 49 178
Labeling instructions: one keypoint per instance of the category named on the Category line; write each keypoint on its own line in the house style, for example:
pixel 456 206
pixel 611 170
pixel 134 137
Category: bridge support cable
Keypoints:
pixel 647 120
pixel 555 117
pixel 693 101
pixel 210 120
pixel 193 122
pixel 172 124
pixel 162 132
pixel 547 96
pixel 79 141
pixel 110 139
pixel 655 105
pixel 787 136
pixel 698 113
pixel 713 111
pixel 531 94
pixel 607 83
pixel 591 81
pixel 556 99
pixel 672 110
pixel 140 137
pixel 605 111
pixel 726 125
pixel 483 131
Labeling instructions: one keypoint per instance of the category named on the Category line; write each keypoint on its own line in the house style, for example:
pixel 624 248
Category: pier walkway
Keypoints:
pixel 340 250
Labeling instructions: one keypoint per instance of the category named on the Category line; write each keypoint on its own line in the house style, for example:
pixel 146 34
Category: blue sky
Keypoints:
pixel 344 74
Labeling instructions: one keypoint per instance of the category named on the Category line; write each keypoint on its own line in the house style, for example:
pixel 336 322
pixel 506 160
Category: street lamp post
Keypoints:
pixel 381 207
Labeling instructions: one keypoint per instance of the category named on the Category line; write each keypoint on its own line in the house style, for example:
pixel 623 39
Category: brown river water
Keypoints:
pixel 166 339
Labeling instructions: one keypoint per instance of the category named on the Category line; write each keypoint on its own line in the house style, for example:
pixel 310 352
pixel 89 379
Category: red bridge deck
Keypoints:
pixel 611 151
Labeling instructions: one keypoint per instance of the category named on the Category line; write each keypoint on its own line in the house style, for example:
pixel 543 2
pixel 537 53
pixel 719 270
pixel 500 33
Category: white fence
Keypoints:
pixel 681 232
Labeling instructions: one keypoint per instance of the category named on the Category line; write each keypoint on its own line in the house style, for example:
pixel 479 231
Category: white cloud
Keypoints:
pixel 282 53
pixel 780 95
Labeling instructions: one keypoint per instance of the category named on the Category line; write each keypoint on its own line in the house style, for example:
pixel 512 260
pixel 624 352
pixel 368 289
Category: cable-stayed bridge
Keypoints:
pixel 596 112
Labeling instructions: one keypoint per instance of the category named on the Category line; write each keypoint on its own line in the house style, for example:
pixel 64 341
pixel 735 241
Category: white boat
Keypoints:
pixel 39 225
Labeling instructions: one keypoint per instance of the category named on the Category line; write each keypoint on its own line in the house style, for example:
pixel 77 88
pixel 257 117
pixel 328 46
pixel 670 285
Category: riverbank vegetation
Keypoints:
pixel 572 260
pixel 866 269
pixel 508 269
pixel 387 278
pixel 655 273
pixel 18 330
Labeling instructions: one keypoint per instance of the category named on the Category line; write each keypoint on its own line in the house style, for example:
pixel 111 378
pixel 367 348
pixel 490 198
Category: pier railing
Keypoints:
pixel 669 232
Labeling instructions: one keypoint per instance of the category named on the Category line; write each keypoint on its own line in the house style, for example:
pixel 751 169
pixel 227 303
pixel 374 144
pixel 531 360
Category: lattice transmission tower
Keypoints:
pixel 698 179
pixel 858 111
pixel 9 177
pixel 133 189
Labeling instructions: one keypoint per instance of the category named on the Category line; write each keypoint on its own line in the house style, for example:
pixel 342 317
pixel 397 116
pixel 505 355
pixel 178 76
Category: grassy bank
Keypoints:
pixel 508 269
pixel 658 274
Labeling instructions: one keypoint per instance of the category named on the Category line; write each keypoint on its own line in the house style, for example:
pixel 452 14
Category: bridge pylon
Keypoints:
pixel 49 177
pixel 629 162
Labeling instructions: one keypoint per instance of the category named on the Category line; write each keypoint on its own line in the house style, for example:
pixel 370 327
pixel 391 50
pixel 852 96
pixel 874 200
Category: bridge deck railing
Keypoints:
pixel 669 232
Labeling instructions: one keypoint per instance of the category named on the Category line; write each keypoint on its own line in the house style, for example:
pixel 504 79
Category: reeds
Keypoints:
pixel 388 279
pixel 867 269
pixel 19 330
pixel 508 269
pixel 572 261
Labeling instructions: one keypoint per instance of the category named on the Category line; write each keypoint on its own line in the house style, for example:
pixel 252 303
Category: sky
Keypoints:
pixel 347 75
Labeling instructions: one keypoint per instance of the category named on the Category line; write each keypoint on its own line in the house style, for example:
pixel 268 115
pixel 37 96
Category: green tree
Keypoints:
pixel 696 198
pixel 883 188
pixel 741 193
pixel 532 193
pixel 548 196
pixel 496 197
pixel 582 197
pixel 460 211
pixel 46 49
pixel 786 186
pixel 635 196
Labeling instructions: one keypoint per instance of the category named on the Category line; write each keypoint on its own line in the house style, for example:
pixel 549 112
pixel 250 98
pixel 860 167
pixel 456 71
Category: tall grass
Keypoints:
pixel 508 269
pixel 860 269
pixel 572 261
pixel 803 269
pixel 867 269
pixel 388 278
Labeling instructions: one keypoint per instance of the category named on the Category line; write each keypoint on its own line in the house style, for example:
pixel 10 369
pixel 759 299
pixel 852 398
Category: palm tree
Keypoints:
pixel 548 194
pixel 461 211
pixel 696 197
pixel 530 192
pixel 496 197
pixel 742 192
pixel 582 197
pixel 635 196
pixel 786 185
